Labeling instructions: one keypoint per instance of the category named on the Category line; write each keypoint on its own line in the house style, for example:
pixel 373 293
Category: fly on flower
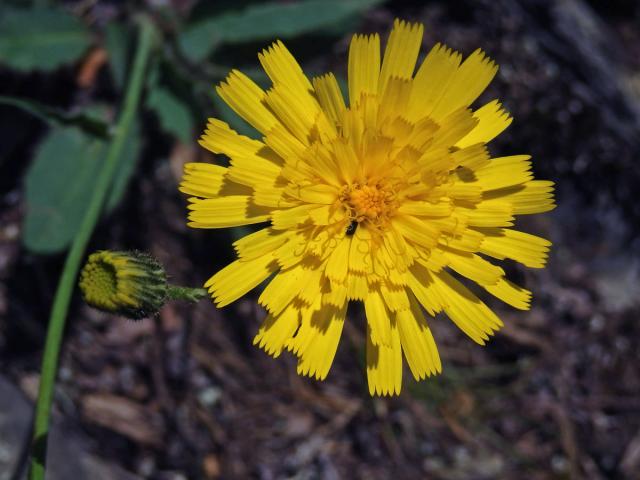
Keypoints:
pixel 390 199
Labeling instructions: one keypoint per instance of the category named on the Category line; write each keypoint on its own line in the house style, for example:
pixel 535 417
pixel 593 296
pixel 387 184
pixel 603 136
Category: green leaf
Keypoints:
pixel 267 21
pixel 60 182
pixel 56 117
pixel 58 185
pixel 175 117
pixel 40 38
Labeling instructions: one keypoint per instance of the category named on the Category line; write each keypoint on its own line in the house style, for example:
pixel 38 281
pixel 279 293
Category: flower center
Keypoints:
pixel 371 203
pixel 99 281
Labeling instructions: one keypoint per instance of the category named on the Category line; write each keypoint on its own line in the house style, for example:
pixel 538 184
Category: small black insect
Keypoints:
pixel 351 229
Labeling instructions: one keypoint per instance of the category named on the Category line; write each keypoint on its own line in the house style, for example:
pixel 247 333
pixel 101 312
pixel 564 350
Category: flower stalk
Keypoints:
pixel 187 294
pixel 72 263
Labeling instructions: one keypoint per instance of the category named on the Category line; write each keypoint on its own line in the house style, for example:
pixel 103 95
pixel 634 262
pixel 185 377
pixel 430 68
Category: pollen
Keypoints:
pixel 371 203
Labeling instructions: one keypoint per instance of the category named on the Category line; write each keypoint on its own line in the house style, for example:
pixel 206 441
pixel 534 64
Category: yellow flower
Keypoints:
pixel 388 201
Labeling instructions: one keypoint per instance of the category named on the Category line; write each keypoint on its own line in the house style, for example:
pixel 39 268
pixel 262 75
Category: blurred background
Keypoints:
pixel 555 395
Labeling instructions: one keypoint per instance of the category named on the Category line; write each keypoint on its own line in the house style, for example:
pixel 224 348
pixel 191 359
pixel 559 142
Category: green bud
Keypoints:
pixel 131 284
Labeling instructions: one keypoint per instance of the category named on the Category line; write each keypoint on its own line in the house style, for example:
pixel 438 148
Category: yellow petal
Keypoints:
pixel 330 97
pixel 202 179
pixel 353 127
pixel 364 66
pixel 320 193
pixel 294 250
pixel 337 296
pixel 466 192
pixel 384 365
pixel 298 113
pixel 434 260
pixel 466 84
pixel 489 213
pixel 306 333
pixel 421 283
pixel 285 144
pixel 394 101
pixel 259 243
pixel 283 68
pixel 401 52
pixel 535 196
pixel 453 127
pixel 378 318
pixel 492 121
pixel 474 267
pixel 426 209
pixel 510 293
pixel 401 253
pixel 504 172
pixel 416 230
pixel 357 287
pixel 435 160
pixel 326 328
pixel 395 296
pixel 376 151
pixel 394 276
pixel 253 171
pixel 228 211
pixel 220 138
pixel 246 99
pixel 283 288
pixel 276 330
pixel 237 278
pixel 360 255
pixel 322 240
pixel 454 224
pixel 346 159
pixel 471 157
pixel 471 315
pixel 501 243
pixel 423 131
pixel 338 263
pixel 290 217
pixel 418 344
pixel 267 195
pixel 467 241
pixel 431 80
pixel 321 215
pixel 322 163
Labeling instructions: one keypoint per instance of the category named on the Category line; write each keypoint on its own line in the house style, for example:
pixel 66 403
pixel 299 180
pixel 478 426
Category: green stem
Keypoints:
pixel 72 264
pixel 186 293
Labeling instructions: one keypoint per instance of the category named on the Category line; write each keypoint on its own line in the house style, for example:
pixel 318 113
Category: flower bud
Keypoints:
pixel 130 284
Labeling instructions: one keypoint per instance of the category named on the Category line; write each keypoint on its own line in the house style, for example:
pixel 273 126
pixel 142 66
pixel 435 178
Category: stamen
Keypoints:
pixel 370 203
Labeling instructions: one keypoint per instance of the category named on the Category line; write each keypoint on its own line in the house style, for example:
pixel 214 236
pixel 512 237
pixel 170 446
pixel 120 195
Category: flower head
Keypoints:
pixel 131 284
pixel 388 200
